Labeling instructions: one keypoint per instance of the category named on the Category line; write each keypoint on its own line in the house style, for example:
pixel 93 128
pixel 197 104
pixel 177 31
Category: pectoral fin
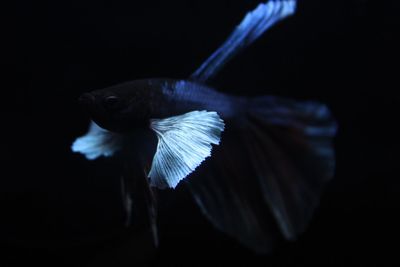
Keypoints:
pixel 184 142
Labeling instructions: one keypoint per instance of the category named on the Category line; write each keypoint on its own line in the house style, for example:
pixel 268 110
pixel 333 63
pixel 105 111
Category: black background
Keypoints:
pixel 59 209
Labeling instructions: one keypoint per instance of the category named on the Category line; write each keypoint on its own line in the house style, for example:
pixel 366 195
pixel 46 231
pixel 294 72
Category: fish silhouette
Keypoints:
pixel 256 166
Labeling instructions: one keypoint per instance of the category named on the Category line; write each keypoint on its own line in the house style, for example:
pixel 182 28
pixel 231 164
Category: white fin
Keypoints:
pixel 97 142
pixel 183 143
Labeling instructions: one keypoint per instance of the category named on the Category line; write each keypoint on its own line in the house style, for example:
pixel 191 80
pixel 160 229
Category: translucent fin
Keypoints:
pixel 264 181
pixel 183 143
pixel 141 197
pixel 254 24
pixel 97 142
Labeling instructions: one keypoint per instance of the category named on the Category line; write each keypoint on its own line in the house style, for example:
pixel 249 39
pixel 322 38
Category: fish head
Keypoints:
pixel 121 108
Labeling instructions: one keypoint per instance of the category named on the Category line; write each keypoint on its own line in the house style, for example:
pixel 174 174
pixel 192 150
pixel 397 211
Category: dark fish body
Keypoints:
pixel 136 102
pixel 263 181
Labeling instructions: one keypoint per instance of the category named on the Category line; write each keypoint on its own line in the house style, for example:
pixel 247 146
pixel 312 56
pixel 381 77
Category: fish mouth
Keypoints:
pixel 89 103
pixel 87 99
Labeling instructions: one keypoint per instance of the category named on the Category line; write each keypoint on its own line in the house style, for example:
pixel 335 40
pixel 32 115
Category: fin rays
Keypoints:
pixel 254 24
pixel 183 143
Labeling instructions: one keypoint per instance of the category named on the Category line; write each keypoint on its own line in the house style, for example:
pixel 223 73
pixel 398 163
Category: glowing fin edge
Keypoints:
pixel 97 142
pixel 184 142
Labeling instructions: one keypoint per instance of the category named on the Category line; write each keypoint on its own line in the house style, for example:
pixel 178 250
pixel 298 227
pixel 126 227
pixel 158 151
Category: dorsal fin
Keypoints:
pixel 254 24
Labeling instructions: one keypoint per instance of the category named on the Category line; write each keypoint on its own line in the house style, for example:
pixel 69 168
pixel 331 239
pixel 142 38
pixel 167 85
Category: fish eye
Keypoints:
pixel 112 102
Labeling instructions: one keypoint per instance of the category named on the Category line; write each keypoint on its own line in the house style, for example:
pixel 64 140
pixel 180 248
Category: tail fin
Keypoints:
pixel 252 26
pixel 264 181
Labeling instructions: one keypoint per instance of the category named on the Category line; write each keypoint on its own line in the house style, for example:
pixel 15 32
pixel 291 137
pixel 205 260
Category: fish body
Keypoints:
pixel 256 167
pixel 133 104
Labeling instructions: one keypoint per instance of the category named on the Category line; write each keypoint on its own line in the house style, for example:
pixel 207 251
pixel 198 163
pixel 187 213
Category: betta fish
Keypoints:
pixel 255 166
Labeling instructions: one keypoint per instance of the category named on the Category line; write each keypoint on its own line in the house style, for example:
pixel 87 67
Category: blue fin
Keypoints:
pixel 254 24
pixel 97 142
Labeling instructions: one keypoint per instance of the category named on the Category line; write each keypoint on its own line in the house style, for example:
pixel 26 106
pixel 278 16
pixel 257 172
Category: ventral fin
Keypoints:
pixel 97 142
pixel 184 142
